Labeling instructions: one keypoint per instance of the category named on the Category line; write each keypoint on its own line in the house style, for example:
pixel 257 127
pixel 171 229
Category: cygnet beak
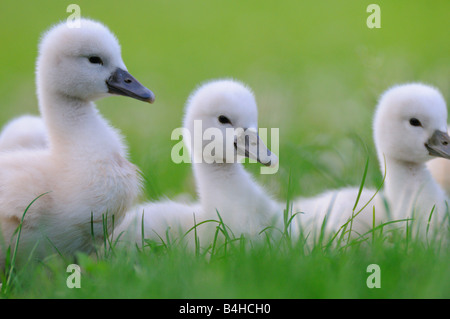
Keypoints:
pixel 439 144
pixel 123 83
pixel 249 144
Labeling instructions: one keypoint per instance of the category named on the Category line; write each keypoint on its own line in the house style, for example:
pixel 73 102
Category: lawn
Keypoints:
pixel 317 71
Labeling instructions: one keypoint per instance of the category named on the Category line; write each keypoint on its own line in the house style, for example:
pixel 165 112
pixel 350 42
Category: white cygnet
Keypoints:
pixel 26 131
pixel 223 112
pixel 84 173
pixel 410 128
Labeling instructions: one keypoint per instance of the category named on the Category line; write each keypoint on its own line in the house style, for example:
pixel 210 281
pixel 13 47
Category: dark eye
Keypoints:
pixel 415 122
pixel 95 60
pixel 224 120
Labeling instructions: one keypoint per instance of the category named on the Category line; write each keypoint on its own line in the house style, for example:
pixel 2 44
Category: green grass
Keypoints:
pixel 241 268
pixel 316 71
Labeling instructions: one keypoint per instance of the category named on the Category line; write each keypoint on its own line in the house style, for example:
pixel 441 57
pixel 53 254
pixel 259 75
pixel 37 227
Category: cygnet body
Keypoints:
pixel 410 129
pixel 224 188
pixel 84 172
pixel 26 131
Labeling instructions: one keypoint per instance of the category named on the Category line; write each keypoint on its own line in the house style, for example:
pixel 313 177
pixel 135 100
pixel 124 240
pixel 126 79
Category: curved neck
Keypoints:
pixel 409 186
pixel 75 128
pixel 230 190
pixel 213 179
pixel 402 174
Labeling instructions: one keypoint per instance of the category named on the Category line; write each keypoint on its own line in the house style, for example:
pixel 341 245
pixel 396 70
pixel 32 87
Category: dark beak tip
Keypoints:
pixel 438 145
pixel 148 97
pixel 269 163
pixel 123 83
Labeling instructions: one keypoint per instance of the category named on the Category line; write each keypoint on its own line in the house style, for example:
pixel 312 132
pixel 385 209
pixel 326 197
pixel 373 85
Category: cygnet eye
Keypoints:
pixel 415 122
pixel 224 120
pixel 95 60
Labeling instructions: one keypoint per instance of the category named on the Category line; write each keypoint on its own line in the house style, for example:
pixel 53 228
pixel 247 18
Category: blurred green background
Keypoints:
pixel 315 67
pixel 316 70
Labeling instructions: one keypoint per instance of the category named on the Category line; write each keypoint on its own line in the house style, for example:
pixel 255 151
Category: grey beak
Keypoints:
pixel 439 145
pixel 249 144
pixel 123 83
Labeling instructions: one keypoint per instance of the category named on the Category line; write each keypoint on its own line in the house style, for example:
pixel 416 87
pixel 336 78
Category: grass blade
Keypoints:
pixel 18 230
pixel 361 186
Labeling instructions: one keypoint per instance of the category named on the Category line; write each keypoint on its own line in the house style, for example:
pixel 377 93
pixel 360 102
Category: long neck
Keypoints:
pixel 410 186
pixel 214 179
pixel 75 128
pixel 230 190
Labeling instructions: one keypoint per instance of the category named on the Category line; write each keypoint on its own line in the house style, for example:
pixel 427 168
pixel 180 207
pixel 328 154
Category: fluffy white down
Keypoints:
pixel 84 171
pixel 26 131
pixel 409 190
pixel 321 216
pixel 226 188
pixel 161 220
pixel 440 170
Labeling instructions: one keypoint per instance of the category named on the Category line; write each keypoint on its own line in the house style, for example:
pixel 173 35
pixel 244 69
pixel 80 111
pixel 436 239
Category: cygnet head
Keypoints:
pixel 224 111
pixel 85 63
pixel 410 124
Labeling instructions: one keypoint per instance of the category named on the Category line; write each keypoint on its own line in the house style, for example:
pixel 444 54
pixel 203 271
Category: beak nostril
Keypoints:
pixel 123 83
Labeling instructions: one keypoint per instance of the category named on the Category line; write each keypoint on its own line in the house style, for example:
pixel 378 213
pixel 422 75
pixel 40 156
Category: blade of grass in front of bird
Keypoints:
pixel 373 225
pixel 55 248
pixel 116 241
pixel 361 186
pixel 142 230
pixel 286 211
pixel 105 234
pixel 362 208
pixel 196 239
pixel 407 235
pixel 381 226
pixel 214 243
pixel 429 221
pixel 16 247
pixel 94 244
pixel 160 239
